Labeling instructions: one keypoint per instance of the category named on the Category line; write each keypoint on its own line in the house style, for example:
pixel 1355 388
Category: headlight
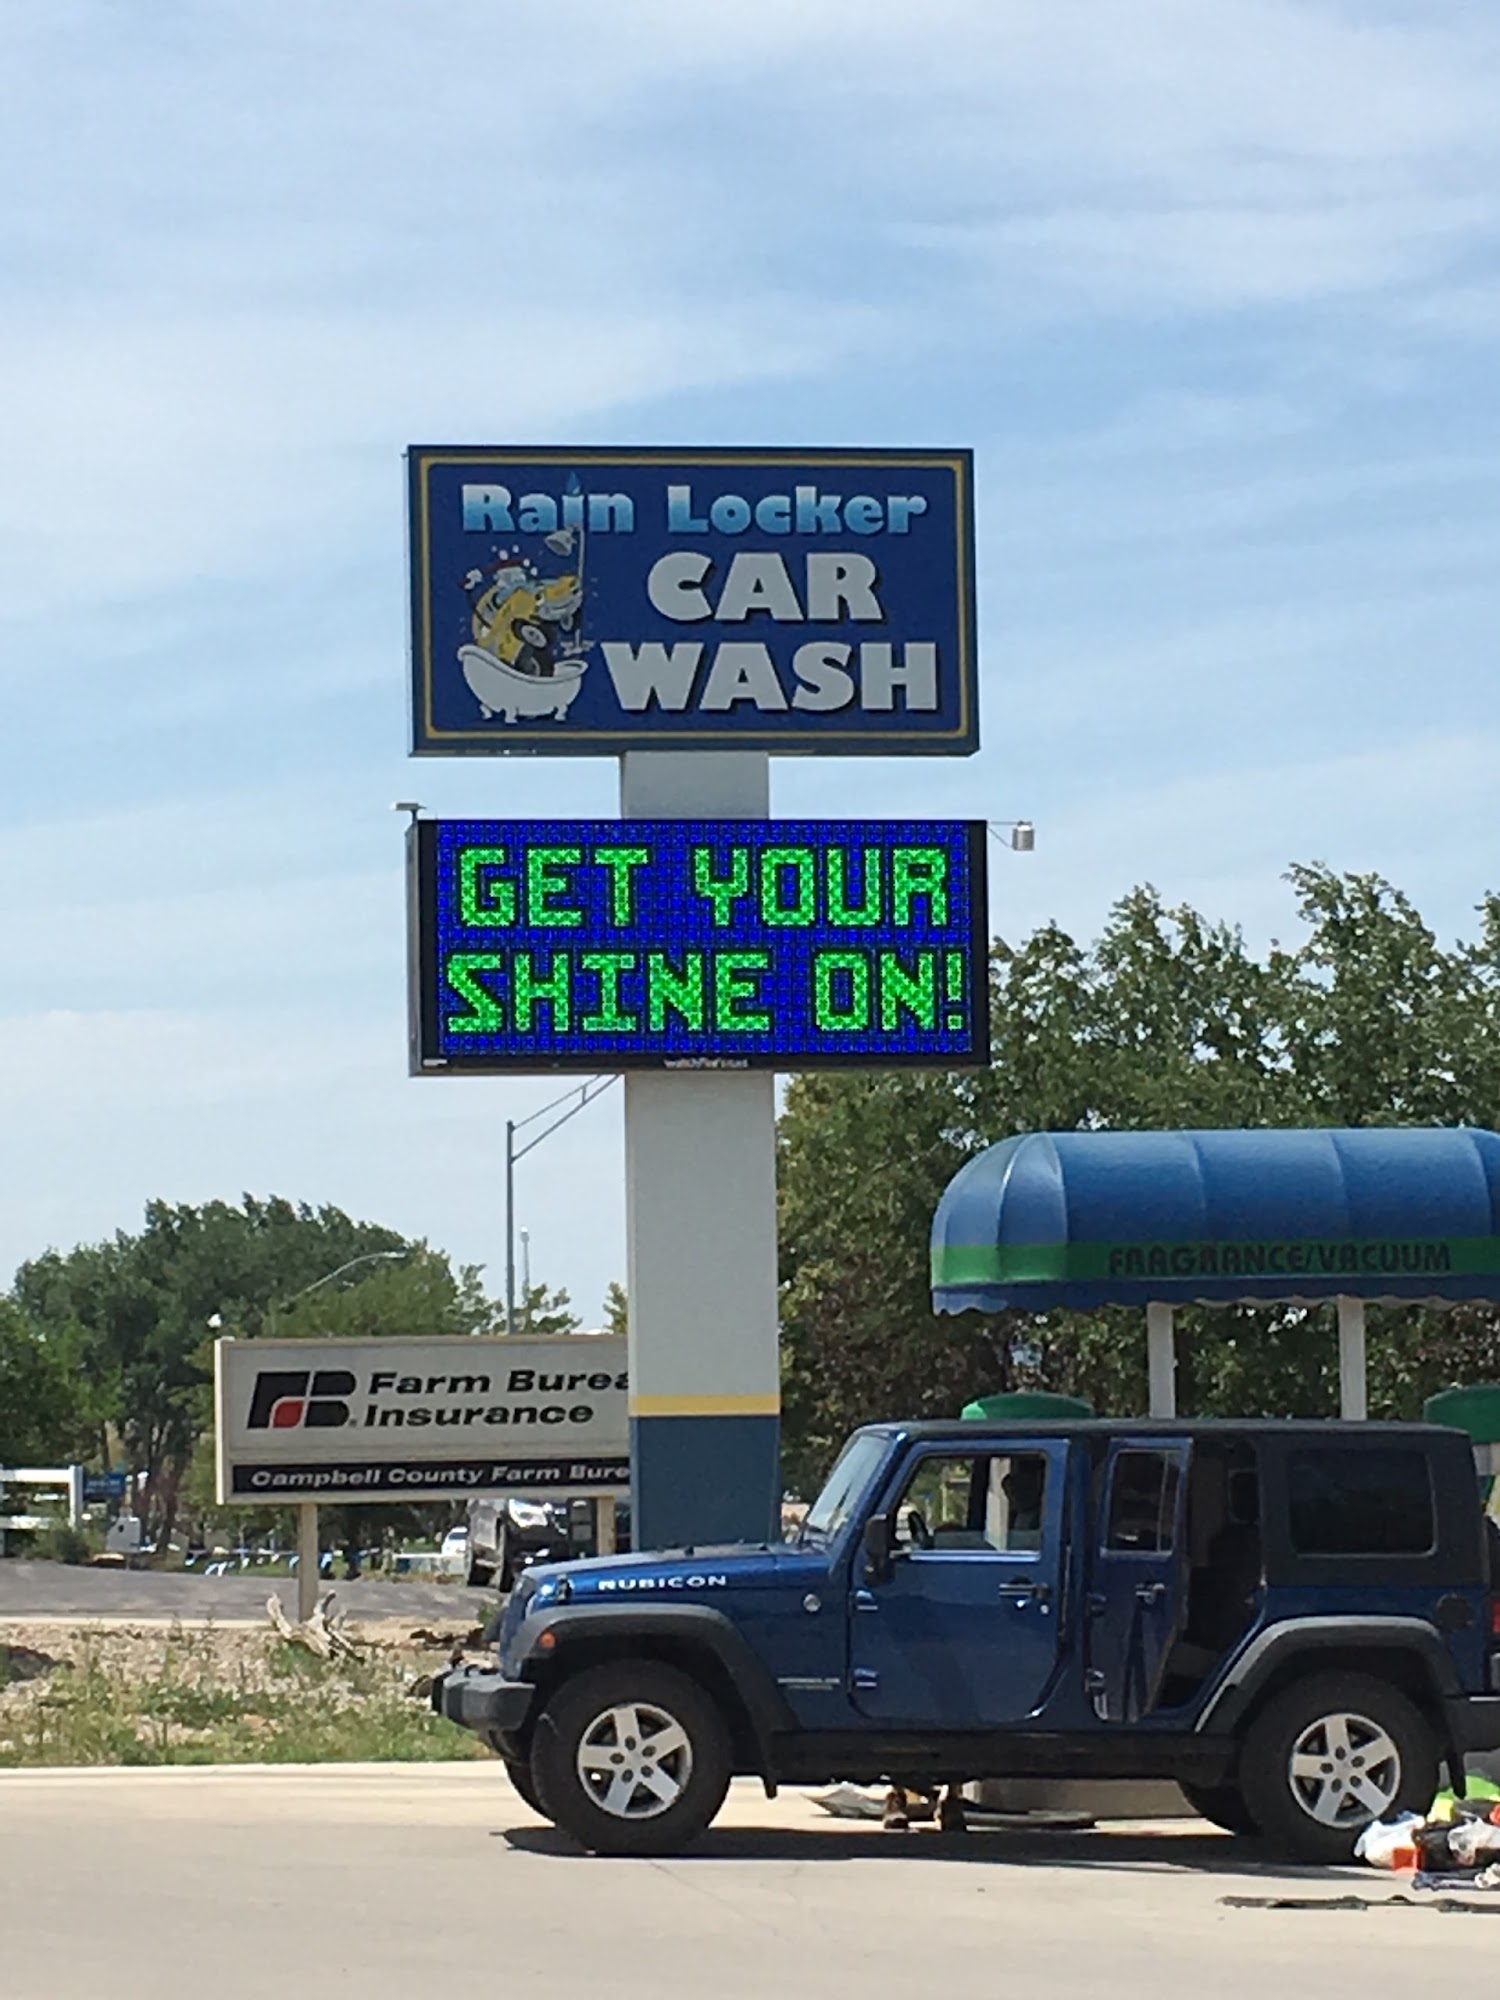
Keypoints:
pixel 529 1514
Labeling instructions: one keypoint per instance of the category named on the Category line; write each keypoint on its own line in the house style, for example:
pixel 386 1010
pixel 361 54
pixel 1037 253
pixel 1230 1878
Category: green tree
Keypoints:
pixel 541 1311
pixel 44 1403
pixel 140 1308
pixel 1165 1020
pixel 616 1309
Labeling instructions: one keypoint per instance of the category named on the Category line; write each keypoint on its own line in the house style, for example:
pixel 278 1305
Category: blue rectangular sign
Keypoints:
pixel 584 602
pixel 630 944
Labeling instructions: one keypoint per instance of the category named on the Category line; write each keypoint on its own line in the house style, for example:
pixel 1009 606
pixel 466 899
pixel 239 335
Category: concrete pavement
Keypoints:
pixel 32 1590
pixel 387 1881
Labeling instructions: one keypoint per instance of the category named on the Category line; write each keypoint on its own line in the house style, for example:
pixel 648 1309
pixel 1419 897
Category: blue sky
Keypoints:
pixel 1210 286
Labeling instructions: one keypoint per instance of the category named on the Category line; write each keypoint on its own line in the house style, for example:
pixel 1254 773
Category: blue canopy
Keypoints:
pixel 1123 1218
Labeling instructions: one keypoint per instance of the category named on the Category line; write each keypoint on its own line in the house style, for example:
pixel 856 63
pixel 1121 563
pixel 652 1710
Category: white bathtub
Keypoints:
pixel 499 690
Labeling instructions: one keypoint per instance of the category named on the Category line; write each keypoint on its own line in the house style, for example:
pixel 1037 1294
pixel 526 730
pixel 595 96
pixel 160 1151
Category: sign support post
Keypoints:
pixel 700 1219
pixel 309 1555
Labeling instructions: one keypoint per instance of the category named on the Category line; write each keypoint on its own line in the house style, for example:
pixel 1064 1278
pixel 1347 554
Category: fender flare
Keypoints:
pixel 1269 1650
pixel 699 1625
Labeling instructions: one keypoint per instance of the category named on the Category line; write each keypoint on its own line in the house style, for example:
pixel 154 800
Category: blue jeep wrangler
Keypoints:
pixel 1296 1621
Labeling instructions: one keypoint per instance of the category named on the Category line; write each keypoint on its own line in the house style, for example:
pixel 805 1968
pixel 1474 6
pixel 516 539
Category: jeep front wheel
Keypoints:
pixel 519 1774
pixel 631 1758
pixel 1221 1805
pixel 1330 1755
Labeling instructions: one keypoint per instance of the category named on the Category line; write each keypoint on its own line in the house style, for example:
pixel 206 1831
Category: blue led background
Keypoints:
pixel 785 944
pixel 907 514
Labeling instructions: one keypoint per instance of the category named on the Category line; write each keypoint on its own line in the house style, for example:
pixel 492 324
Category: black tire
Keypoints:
pixel 505 1568
pixel 480 1576
pixel 1383 1741
pixel 580 1713
pixel 520 1776
pixel 1220 1805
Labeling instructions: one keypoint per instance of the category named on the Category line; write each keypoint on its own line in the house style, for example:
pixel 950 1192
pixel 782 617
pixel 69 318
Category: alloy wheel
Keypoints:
pixel 1345 1770
pixel 634 1760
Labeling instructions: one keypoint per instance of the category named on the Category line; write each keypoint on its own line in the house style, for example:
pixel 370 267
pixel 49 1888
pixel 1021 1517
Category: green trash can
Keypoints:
pixel 1477 1411
pixel 1027 1405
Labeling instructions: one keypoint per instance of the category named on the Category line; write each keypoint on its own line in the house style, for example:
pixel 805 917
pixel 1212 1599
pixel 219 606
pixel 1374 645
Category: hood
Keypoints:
pixel 696 1573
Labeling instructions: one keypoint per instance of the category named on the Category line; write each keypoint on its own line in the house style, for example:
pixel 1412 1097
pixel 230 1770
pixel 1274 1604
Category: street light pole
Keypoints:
pixel 510 1225
pixel 354 1263
pixel 585 1093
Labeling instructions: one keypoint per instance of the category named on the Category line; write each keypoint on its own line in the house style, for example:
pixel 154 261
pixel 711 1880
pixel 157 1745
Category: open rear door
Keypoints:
pixel 1138 1592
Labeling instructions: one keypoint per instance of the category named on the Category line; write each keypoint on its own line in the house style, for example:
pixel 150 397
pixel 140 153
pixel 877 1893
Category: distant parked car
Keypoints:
pixel 453 1551
pixel 506 1535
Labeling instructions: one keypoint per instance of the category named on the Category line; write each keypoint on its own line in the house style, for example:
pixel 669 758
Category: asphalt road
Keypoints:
pixel 59 1590
pixel 394 1882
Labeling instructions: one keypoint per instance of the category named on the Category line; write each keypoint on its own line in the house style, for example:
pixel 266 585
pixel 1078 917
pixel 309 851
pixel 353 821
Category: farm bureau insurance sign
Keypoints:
pixel 591 602
pixel 419 1419
pixel 622 944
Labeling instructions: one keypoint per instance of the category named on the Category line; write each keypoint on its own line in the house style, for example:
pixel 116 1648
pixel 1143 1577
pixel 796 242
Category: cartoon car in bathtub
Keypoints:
pixel 527 657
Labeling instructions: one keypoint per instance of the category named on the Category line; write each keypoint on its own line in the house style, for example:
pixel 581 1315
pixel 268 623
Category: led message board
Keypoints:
pixel 582 602
pixel 648 944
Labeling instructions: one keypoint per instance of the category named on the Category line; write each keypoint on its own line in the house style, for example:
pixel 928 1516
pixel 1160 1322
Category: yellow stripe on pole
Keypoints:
pixel 706 1406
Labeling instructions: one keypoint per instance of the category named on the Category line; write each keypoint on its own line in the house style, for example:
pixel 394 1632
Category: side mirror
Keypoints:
pixel 877 1544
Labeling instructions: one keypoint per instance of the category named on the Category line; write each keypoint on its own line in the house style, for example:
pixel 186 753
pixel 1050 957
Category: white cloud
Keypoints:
pixel 1227 253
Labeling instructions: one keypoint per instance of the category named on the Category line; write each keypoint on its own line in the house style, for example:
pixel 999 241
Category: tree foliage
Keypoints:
pixel 135 1317
pixel 616 1309
pixel 44 1400
pixel 1165 1020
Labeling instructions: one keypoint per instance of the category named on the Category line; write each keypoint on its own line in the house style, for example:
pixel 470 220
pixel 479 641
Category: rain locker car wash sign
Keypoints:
pixel 585 602
pixel 434 1418
pixel 690 944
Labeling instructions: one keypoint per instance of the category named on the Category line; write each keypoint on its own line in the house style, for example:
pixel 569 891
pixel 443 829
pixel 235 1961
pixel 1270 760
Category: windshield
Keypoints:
pixel 855 1468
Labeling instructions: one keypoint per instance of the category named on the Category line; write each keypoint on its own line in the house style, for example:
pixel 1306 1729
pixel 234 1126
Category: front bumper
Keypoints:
pixel 1474 1721
pixel 479 1698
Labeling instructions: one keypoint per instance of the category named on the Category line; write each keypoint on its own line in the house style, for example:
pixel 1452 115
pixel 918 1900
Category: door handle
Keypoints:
pixel 1031 1593
pixel 1151 1593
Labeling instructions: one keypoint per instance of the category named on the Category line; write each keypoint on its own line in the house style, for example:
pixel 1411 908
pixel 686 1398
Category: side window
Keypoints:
pixel 1142 1503
pixel 993 1504
pixel 1360 1502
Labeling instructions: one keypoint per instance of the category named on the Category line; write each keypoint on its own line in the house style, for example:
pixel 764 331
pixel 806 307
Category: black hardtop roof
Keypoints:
pixel 1106 1427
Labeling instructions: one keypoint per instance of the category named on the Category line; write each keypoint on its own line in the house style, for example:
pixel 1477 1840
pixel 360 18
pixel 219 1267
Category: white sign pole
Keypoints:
pixel 700 1211
pixel 309 1556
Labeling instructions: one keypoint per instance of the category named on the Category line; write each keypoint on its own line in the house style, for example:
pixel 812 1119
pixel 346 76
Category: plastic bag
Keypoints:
pixel 1389 1843
pixel 1473 1842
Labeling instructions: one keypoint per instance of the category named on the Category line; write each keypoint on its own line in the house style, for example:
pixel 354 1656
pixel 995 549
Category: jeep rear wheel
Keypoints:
pixel 631 1758
pixel 1330 1755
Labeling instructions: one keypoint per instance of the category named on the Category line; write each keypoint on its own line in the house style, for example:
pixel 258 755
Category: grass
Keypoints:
pixel 203 1701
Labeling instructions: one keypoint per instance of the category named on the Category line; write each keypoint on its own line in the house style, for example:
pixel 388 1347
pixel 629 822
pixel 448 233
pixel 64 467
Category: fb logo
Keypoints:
pixel 290 1400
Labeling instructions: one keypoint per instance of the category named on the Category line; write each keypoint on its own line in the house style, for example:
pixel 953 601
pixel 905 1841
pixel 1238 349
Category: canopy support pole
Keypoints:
pixel 1161 1360
pixel 1353 1399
